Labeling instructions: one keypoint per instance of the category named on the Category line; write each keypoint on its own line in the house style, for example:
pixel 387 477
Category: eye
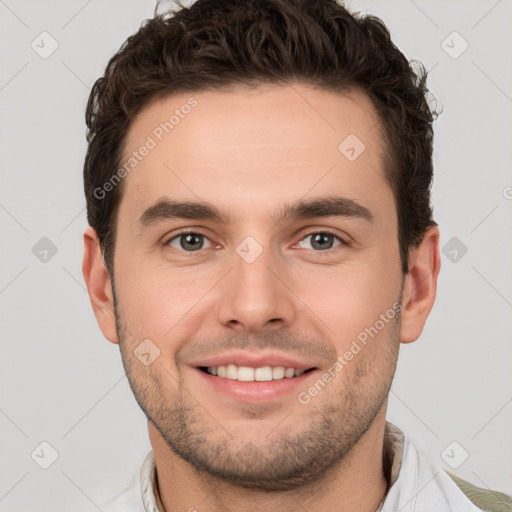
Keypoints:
pixel 322 241
pixel 187 241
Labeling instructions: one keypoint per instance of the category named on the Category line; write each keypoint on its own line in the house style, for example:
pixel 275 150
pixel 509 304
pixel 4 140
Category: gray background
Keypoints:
pixel 64 384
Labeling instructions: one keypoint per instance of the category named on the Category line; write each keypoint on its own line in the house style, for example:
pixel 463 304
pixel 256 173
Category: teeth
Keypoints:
pixel 263 373
pixel 278 372
pixel 245 373
pixel 231 371
pixel 289 372
pixel 249 374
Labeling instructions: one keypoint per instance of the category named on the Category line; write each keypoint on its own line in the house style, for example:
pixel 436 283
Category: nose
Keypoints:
pixel 257 295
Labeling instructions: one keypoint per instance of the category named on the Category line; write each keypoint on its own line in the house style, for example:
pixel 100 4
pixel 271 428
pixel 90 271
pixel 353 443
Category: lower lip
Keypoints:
pixel 257 390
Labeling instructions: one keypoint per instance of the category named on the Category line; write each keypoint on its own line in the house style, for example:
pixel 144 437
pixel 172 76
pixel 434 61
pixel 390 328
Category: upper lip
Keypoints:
pixel 241 358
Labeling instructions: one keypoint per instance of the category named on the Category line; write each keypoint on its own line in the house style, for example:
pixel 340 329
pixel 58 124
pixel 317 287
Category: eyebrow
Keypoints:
pixel 330 206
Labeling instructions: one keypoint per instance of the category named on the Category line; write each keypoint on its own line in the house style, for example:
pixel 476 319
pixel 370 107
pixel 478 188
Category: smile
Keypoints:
pixel 249 374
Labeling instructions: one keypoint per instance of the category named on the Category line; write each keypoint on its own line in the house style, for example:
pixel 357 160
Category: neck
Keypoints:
pixel 357 482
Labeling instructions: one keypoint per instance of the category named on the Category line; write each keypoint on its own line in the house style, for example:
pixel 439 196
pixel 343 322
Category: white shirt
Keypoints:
pixel 418 484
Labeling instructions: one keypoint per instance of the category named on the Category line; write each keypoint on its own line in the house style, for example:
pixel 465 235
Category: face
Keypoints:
pixel 262 283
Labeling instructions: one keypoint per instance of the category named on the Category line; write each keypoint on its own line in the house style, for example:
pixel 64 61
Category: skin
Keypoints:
pixel 249 152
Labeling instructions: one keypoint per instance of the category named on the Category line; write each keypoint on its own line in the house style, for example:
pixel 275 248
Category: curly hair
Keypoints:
pixel 218 44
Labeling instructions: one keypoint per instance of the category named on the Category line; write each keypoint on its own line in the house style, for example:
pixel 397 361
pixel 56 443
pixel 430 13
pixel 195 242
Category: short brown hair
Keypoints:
pixel 215 44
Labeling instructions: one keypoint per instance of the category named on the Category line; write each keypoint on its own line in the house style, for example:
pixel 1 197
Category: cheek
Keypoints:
pixel 160 303
pixel 352 299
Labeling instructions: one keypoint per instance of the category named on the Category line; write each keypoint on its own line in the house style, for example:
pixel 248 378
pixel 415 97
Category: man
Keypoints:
pixel 261 241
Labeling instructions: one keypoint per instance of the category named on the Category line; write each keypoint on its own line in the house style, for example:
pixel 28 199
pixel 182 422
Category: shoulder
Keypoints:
pixel 486 499
pixel 412 472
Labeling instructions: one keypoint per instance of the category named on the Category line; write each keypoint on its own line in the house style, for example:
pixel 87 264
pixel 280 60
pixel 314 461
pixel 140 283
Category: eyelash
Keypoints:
pixel 323 232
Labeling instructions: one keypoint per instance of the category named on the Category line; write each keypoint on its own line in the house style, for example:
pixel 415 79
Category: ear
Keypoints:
pixel 420 286
pixel 99 286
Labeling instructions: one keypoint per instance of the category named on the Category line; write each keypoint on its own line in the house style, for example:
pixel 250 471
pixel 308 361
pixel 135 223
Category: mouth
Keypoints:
pixel 249 384
pixel 250 374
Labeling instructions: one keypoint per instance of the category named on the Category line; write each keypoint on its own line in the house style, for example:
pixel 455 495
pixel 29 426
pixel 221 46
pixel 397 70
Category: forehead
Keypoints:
pixel 247 149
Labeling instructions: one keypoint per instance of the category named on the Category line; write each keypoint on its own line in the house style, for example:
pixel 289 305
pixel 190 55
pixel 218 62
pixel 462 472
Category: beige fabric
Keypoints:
pixel 486 499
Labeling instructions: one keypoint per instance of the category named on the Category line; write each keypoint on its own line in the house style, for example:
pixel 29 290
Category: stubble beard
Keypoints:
pixel 334 423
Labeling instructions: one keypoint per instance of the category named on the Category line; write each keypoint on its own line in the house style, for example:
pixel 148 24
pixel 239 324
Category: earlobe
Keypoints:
pixel 99 286
pixel 420 286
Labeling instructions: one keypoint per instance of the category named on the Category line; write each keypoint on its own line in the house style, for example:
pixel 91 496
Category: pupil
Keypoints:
pixel 189 238
pixel 319 237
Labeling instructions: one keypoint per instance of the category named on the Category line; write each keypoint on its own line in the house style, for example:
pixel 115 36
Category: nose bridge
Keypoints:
pixel 254 295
